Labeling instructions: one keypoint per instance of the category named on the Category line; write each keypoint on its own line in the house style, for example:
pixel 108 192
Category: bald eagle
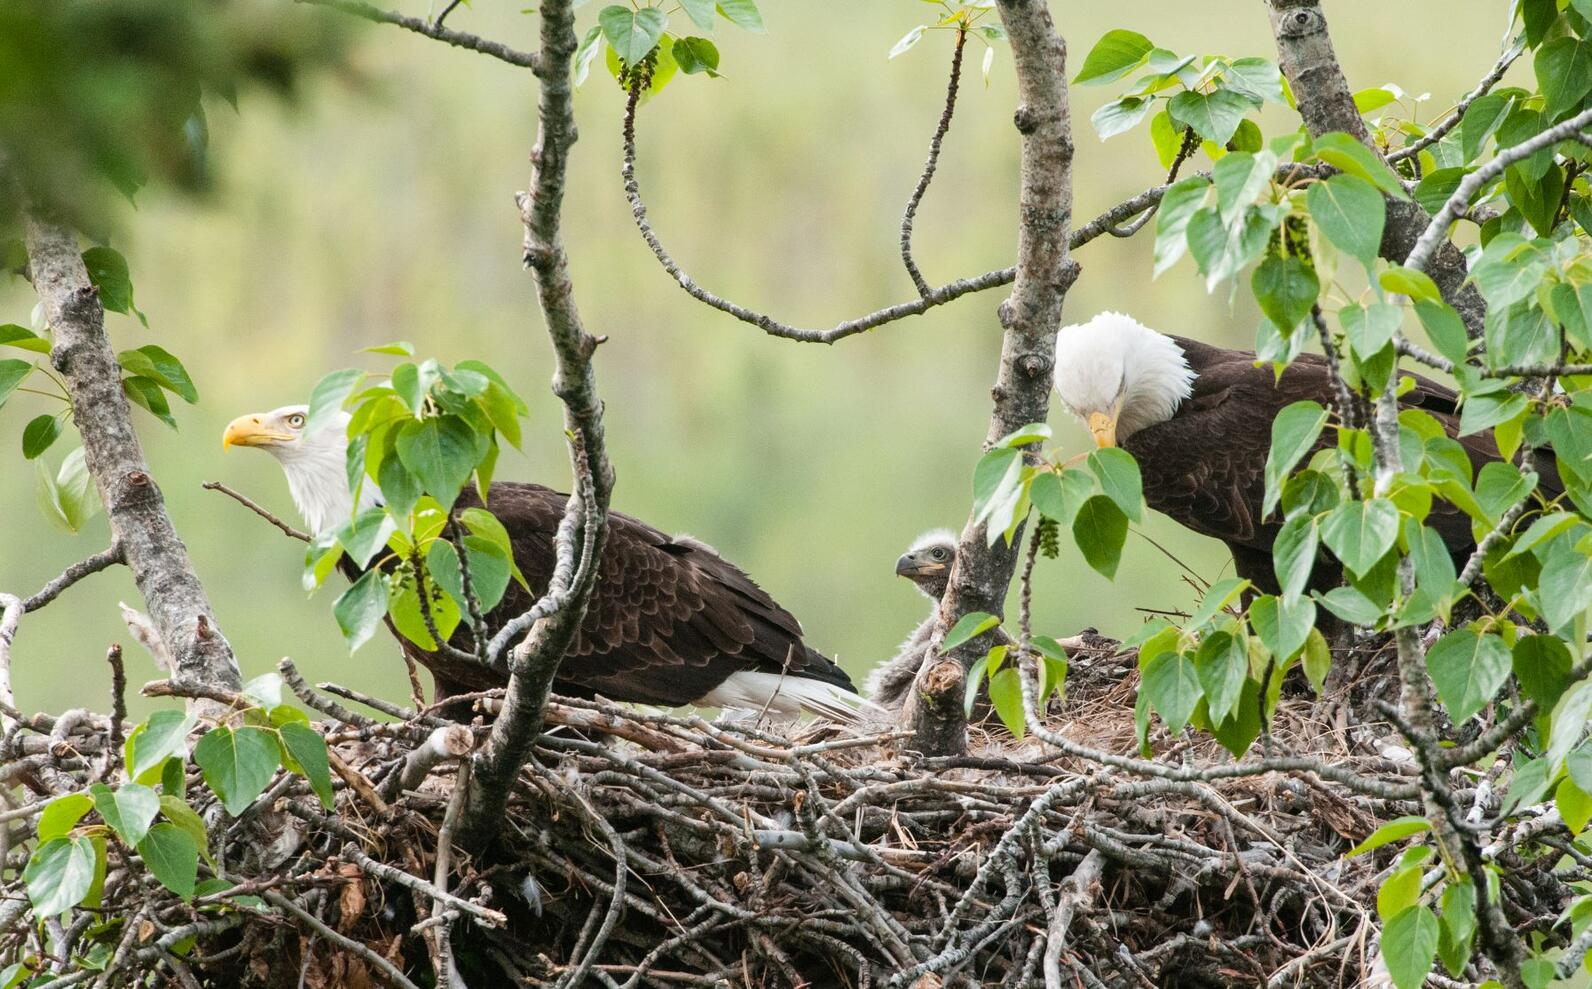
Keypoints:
pixel 927 563
pixel 1198 418
pixel 671 621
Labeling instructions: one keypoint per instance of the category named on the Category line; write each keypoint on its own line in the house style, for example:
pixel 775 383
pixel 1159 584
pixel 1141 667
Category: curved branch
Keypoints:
pixel 104 559
pixel 435 31
pixel 1451 121
pixel 255 507
pixel 929 166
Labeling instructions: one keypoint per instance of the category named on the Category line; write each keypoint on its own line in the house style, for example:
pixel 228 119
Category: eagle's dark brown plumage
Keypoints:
pixel 1201 433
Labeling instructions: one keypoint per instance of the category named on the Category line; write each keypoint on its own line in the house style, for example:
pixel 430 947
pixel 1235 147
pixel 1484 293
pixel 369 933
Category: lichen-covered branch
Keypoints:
pixel 140 526
pixel 534 661
pixel 1306 56
pixel 1030 317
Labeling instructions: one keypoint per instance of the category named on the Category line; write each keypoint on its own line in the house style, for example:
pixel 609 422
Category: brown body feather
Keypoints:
pixel 670 619
pixel 1205 466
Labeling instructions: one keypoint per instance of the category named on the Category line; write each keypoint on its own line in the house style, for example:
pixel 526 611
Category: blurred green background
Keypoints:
pixel 380 208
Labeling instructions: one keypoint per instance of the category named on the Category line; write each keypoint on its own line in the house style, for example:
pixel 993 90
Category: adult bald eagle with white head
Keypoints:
pixel 670 622
pixel 1198 419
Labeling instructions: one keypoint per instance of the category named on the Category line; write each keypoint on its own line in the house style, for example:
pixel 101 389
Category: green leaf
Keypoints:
pixel 160 366
pixel 1222 665
pixel 1255 77
pixel 1239 178
pixel 1569 722
pixel 406 382
pixel 172 858
pixel 164 735
pixel 1481 120
pixel 743 14
pixel 1395 830
pixel 12 373
pixel 970 626
pixel 128 809
pixel 1119 478
pixel 1564 590
pixel 1031 433
pixel 61 815
pixel 1114 56
pixel 1120 116
pixel 442 453
pixel 1418 285
pixel 700 12
pixel 1178 205
pixel 1409 946
pixel 1510 268
pixel 39 434
pixel 1361 532
pixel 146 394
pixel 1458 926
pixel 308 749
pixel 1057 496
pixel 1222 251
pixel 1294 554
pixel 632 33
pixel 328 396
pixel 1350 213
pixel 1348 155
pixel 176 810
pixel 489 570
pixel 1318 659
pixel 238 764
pixel 1283 625
pixel 997 481
pixel 1564 71
pixel 1294 433
pixel 12 335
pixel 366 533
pixel 1370 329
pixel 1006 696
pixel 1399 892
pixel 1172 685
pixel 107 269
pixel 360 609
pixel 1445 329
pixel 1520 334
pixel 1285 288
pixel 400 348
pixel 1467 669
pixel 1214 116
pixel 1220 595
pixel 1100 528
pixel 695 55
pixel 59 874
pixel 1436 188
pixel 1542 665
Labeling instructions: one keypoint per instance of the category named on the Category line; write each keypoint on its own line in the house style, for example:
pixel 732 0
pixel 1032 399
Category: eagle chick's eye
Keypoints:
pixel 296 420
pixel 938 552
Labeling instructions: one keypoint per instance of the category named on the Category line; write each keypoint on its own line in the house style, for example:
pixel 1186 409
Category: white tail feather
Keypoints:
pixel 789 696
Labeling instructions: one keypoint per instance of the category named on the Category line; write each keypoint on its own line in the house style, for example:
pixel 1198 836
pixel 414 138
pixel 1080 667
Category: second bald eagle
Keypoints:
pixel 1198 420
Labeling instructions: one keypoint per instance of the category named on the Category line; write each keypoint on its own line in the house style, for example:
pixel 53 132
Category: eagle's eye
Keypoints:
pixel 937 553
pixel 296 420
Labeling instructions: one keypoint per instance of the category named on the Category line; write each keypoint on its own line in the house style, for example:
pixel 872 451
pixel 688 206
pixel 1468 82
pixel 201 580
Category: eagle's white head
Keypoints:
pixel 315 462
pixel 1119 376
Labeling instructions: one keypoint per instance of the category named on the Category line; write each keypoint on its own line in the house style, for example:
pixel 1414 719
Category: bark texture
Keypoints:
pixel 1305 53
pixel 1030 316
pixel 140 527
pixel 557 616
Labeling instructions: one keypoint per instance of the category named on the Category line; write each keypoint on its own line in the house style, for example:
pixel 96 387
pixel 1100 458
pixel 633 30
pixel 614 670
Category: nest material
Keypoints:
pixel 648 849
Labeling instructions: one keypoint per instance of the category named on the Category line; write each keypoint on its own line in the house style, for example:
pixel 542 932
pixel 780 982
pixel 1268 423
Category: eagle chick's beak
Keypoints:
pixel 250 430
pixel 909 565
pixel 1104 427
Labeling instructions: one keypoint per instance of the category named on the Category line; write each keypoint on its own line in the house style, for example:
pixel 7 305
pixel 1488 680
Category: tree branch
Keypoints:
pixel 1030 317
pixel 139 524
pixel 1306 56
pixel 1448 123
pixel 103 560
pixel 255 507
pixel 434 30
pixel 535 660
pixel 929 166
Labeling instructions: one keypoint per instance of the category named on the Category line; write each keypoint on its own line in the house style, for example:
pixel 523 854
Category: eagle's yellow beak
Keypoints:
pixel 251 430
pixel 1104 427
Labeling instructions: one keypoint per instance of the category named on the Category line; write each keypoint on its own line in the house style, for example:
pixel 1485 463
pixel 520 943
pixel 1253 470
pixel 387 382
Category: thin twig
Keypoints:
pixel 1451 121
pixel 929 166
pixel 104 559
pixel 251 504
pixel 436 31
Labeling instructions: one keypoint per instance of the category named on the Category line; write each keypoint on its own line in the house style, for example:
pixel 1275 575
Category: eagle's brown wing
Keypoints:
pixel 669 619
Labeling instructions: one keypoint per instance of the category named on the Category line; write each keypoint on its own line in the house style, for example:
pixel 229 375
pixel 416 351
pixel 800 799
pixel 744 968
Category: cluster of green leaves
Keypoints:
pixel 635 36
pixel 148 812
pixel 66 496
pixel 419 437
pixel 1210 95
pixel 964 17
pixel 1290 230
